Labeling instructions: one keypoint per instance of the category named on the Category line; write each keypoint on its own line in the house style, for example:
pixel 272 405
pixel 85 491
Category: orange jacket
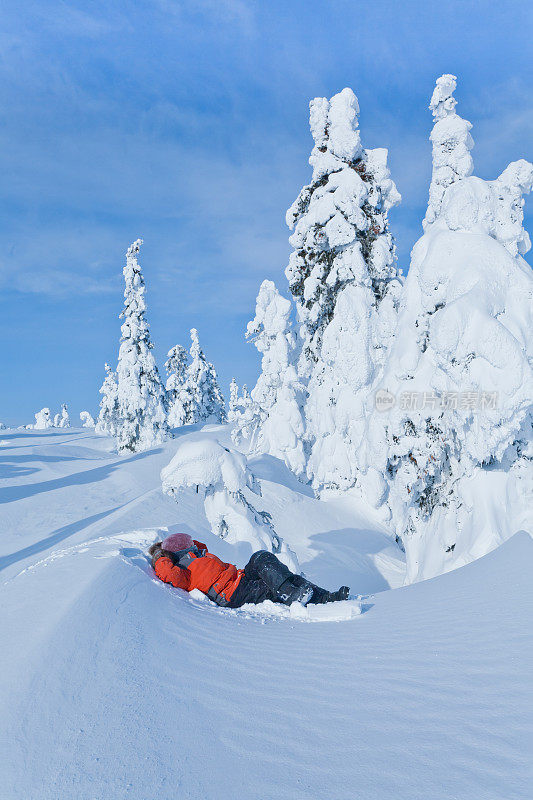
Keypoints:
pixel 207 573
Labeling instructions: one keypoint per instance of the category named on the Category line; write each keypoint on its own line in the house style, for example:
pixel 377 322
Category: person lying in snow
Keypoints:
pixel 187 564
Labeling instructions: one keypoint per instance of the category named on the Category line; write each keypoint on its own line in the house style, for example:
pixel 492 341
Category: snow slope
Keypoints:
pixel 115 685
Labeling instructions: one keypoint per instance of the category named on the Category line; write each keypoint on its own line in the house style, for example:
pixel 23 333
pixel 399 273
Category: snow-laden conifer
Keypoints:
pixel 108 414
pixel 451 142
pixel 204 401
pixel 274 420
pixel 344 279
pixel 176 367
pixel 141 397
pixel 62 420
pixel 233 401
pixel 87 420
pixel 247 418
pixel 43 419
pixel 457 445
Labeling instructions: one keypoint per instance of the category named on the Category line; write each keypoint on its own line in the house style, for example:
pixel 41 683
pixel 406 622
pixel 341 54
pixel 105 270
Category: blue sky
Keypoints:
pixel 186 123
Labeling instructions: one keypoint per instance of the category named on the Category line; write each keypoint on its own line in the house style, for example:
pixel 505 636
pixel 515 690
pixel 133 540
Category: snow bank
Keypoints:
pixel 132 681
pixel 330 612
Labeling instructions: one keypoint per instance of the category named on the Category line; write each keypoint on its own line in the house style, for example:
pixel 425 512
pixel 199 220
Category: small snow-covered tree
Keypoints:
pixel 344 278
pixel 451 142
pixel 141 410
pixel 43 419
pixel 245 399
pixel 108 416
pixel 176 367
pixel 204 401
pixel 226 479
pixel 87 420
pixel 248 415
pixel 276 421
pixel 233 401
pixel 62 420
pixel 457 446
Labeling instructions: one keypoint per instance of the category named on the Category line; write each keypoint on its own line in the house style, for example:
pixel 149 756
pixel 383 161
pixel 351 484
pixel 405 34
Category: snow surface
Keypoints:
pixel 116 685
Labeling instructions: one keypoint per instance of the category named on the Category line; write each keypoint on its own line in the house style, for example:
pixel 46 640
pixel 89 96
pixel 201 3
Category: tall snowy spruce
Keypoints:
pixel 141 397
pixel 107 417
pixel 273 421
pixel 176 367
pixel 204 401
pixel 457 446
pixel 344 278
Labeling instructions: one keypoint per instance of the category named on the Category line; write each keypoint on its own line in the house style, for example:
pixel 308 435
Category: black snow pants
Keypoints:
pixel 266 578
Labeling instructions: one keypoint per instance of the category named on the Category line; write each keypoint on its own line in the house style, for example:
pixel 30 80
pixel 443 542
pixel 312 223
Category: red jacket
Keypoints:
pixel 205 572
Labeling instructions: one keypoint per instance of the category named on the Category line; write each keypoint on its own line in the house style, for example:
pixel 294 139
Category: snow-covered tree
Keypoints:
pixel 62 420
pixel 233 401
pixel 43 419
pixel 247 419
pixel 344 279
pixel 87 420
pixel 176 367
pixel 456 447
pixel 275 421
pixel 226 481
pixel 451 142
pixel 204 401
pixel 108 416
pixel 141 410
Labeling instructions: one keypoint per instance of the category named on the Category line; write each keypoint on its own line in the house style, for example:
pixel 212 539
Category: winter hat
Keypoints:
pixel 177 542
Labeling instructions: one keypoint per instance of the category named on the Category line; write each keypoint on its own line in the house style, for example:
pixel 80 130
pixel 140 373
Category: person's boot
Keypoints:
pixel 341 594
pixel 320 596
pixel 295 590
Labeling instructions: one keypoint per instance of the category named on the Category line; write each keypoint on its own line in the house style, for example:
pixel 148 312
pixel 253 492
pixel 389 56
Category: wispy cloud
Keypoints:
pixel 213 12
pixel 186 122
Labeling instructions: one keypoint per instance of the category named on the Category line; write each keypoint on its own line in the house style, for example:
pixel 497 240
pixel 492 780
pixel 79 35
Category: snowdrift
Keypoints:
pixel 114 684
pixel 133 681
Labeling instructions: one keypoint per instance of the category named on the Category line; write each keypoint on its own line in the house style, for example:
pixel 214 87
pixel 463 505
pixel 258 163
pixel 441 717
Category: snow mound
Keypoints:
pixel 109 673
pixel 206 463
pixel 330 612
pixel 121 674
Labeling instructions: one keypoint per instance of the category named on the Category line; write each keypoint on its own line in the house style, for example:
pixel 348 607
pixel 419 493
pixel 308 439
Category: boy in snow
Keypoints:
pixel 187 564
